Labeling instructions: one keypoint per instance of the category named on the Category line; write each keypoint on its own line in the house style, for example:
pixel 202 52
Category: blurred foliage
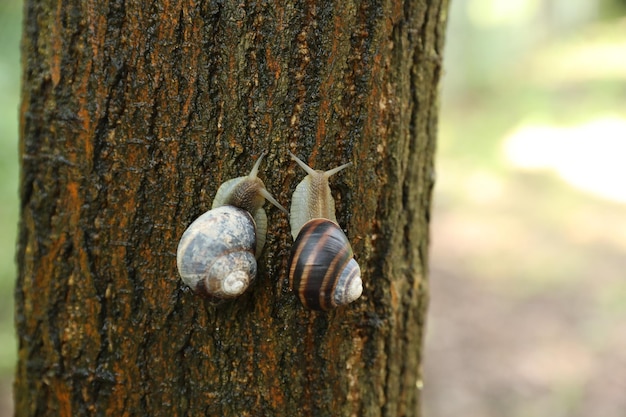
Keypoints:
pixel 523 64
pixel 10 20
pixel 528 310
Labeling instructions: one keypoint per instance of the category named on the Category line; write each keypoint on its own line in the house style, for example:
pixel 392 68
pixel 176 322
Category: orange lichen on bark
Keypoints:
pixel 56 46
pixel 62 395
pixel 46 268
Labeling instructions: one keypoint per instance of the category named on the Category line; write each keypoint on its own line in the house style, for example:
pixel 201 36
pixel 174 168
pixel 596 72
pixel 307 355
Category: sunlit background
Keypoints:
pixel 528 260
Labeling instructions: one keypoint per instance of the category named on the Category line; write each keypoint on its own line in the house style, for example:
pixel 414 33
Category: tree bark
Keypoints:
pixel 133 113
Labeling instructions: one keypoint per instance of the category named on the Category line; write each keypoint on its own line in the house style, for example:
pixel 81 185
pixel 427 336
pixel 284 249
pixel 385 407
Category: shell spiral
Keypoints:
pixel 322 270
pixel 216 254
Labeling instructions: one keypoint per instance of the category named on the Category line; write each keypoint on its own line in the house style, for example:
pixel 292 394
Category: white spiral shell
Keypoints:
pixel 216 254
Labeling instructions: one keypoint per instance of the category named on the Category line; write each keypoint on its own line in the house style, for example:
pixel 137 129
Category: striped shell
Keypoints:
pixel 322 270
pixel 215 255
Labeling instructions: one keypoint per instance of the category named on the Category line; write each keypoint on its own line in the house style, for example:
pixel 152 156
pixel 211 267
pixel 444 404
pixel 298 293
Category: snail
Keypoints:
pixel 322 269
pixel 217 253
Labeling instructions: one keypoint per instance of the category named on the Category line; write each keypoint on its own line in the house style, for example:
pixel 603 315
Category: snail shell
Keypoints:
pixel 322 270
pixel 217 253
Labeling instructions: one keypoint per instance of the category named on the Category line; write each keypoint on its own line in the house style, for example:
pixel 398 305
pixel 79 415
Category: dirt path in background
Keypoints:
pixel 557 351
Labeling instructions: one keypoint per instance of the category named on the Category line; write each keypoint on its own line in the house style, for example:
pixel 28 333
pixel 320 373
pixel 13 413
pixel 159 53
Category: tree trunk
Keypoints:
pixel 133 113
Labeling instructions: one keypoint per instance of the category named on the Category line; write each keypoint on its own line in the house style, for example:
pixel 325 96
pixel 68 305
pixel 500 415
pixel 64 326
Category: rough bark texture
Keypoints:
pixel 133 113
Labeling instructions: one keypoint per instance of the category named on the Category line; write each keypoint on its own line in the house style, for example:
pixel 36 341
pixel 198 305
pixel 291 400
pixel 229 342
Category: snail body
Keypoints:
pixel 322 269
pixel 217 254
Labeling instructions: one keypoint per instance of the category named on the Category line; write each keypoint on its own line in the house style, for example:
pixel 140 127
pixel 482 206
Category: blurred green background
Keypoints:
pixel 10 21
pixel 528 265
pixel 528 256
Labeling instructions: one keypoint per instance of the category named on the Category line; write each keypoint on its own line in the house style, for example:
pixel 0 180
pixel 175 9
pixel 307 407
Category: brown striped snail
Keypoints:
pixel 217 253
pixel 322 269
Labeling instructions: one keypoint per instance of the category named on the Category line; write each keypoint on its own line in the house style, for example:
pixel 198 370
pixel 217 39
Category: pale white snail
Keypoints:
pixel 322 269
pixel 217 253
